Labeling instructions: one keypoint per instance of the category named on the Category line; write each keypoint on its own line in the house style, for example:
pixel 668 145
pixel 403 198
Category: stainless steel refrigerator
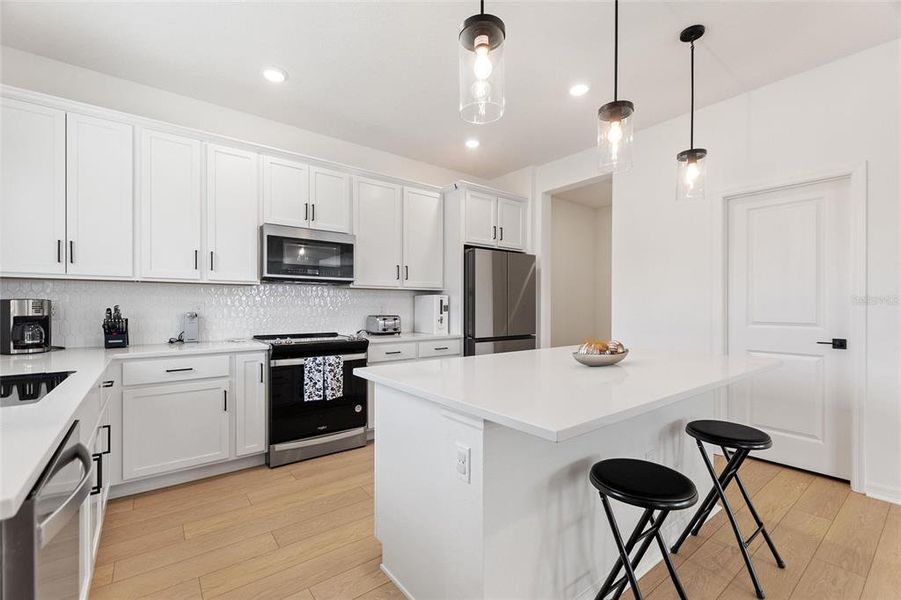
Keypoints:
pixel 499 301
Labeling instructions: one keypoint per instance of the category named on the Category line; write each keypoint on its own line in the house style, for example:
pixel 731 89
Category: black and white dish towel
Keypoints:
pixel 323 378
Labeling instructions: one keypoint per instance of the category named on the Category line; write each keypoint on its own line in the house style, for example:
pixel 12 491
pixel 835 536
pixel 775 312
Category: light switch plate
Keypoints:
pixel 462 465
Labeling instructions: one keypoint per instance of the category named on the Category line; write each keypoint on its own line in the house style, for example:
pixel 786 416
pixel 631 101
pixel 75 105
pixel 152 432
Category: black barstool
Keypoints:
pixel 742 439
pixel 649 486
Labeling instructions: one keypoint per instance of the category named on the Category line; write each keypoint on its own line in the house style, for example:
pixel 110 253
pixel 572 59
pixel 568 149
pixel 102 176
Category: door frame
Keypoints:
pixel 857 177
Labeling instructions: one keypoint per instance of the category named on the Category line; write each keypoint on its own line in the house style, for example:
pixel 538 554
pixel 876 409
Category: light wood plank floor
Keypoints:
pixel 304 531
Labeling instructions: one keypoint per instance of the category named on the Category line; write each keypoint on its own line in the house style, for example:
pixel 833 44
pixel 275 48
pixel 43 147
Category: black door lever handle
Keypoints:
pixel 837 343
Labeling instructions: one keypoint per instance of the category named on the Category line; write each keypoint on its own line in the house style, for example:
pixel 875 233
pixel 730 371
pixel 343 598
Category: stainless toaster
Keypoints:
pixel 382 324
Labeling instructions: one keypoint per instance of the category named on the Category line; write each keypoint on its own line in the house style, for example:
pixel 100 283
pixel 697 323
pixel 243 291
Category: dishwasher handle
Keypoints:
pixel 55 521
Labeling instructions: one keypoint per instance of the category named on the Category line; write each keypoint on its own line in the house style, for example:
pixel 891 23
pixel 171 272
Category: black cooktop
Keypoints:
pixel 295 345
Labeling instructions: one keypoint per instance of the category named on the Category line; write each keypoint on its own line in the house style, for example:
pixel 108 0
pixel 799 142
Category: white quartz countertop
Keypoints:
pixel 548 394
pixel 29 434
pixel 410 337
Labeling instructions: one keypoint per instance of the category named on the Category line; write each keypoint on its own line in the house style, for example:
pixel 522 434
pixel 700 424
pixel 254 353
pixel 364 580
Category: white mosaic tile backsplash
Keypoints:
pixel 155 310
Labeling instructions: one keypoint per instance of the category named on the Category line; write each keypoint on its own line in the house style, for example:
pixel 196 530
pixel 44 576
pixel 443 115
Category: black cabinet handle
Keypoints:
pixel 195 259
pixel 98 460
pixel 837 343
pixel 494 232
pixel 502 233
pixel 261 372
pixel 398 272
pixel 306 211
pixel 406 272
pixel 107 384
pixel 71 252
pixel 179 370
pixel 211 260
pixel 393 352
pixel 441 348
pixel 109 439
pixel 59 251
pixel 225 400
pixel 313 216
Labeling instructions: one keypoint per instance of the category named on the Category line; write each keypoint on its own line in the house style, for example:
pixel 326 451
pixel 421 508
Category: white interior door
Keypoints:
pixel 789 288
pixel 32 189
pixel 377 250
pixel 99 197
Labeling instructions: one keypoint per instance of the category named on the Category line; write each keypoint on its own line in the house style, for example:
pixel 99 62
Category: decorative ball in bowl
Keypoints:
pixel 600 353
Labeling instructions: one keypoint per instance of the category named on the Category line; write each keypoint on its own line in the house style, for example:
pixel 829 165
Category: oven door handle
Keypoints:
pixel 54 523
pixel 290 362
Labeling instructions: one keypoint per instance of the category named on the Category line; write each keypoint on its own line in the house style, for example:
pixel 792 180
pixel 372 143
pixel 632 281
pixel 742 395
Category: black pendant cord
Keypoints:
pixel 692 133
pixel 615 49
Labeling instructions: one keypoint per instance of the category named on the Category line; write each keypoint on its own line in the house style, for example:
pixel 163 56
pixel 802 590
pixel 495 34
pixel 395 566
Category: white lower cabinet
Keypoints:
pixel 250 403
pixel 174 426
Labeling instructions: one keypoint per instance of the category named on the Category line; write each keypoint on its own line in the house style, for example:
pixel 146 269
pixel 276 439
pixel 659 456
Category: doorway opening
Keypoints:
pixel 581 234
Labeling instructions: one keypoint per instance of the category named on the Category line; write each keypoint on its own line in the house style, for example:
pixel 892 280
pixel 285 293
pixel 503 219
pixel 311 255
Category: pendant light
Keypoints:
pixel 482 68
pixel 615 118
pixel 692 166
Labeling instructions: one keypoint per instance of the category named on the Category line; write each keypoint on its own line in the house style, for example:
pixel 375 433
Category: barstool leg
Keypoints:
pixel 614 573
pixel 624 556
pixel 669 565
pixel 645 544
pixel 732 521
pixel 760 526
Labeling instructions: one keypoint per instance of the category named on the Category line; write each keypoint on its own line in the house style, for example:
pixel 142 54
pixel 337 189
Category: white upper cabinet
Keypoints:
pixel 423 266
pixel 32 189
pixel 511 224
pixel 171 202
pixel 232 215
pixel 329 200
pixel 481 218
pixel 378 224
pixel 286 192
pixel 99 197
pixel 250 403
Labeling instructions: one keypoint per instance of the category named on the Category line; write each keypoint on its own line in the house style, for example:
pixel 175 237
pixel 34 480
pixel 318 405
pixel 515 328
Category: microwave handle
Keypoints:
pixel 54 523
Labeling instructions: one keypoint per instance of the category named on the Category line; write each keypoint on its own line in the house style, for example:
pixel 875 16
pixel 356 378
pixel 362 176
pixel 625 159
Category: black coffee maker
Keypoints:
pixel 24 326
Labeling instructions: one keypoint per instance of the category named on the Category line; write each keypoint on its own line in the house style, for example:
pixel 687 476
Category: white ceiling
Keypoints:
pixel 594 195
pixel 385 74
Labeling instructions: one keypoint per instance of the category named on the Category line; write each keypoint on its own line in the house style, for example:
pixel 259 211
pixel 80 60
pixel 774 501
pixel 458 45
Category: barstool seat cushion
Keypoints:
pixel 642 483
pixel 730 435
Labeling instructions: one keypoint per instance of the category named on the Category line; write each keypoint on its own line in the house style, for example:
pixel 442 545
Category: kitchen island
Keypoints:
pixel 481 463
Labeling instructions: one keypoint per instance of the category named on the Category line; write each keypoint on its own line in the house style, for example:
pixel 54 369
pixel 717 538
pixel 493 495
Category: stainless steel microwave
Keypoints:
pixel 297 253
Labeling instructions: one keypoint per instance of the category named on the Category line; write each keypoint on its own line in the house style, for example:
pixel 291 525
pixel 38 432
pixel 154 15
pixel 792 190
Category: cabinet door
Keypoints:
pixel 174 426
pixel 329 200
pixel 250 403
pixel 232 215
pixel 286 192
pixel 377 222
pixel 171 202
pixel 99 197
pixel 32 189
pixel 481 219
pixel 423 239
pixel 511 224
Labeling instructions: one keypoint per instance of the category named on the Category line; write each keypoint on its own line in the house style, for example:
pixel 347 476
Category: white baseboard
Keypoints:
pixel 128 488
pixel 884 492
pixel 396 583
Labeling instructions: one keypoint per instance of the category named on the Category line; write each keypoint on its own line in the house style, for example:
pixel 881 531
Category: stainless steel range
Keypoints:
pixel 317 405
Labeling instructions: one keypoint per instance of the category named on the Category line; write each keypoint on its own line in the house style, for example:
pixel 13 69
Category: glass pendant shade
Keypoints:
pixel 615 135
pixel 482 69
pixel 691 176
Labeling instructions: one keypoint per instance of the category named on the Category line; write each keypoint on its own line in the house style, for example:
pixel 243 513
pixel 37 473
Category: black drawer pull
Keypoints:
pixel 107 384
pixel 109 439
pixel 394 352
pixel 442 348
pixel 98 459
pixel 225 400
pixel 179 370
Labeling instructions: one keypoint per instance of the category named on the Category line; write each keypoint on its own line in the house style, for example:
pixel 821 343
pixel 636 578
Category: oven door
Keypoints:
pixel 307 254
pixel 292 419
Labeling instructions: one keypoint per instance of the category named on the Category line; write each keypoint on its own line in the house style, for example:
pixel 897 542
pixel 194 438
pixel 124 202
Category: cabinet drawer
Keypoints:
pixel 440 348
pixel 388 352
pixel 183 368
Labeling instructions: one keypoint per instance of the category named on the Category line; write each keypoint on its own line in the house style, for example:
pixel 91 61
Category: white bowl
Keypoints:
pixel 599 360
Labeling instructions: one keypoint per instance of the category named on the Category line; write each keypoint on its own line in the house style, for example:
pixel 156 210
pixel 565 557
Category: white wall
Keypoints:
pixel 33 72
pixel 602 272
pixel 666 255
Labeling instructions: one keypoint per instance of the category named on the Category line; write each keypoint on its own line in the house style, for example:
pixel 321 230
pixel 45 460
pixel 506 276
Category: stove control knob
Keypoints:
pixel 358 408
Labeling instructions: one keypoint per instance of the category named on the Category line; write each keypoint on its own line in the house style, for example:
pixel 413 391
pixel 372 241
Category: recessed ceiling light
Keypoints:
pixel 472 143
pixel 580 89
pixel 274 75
